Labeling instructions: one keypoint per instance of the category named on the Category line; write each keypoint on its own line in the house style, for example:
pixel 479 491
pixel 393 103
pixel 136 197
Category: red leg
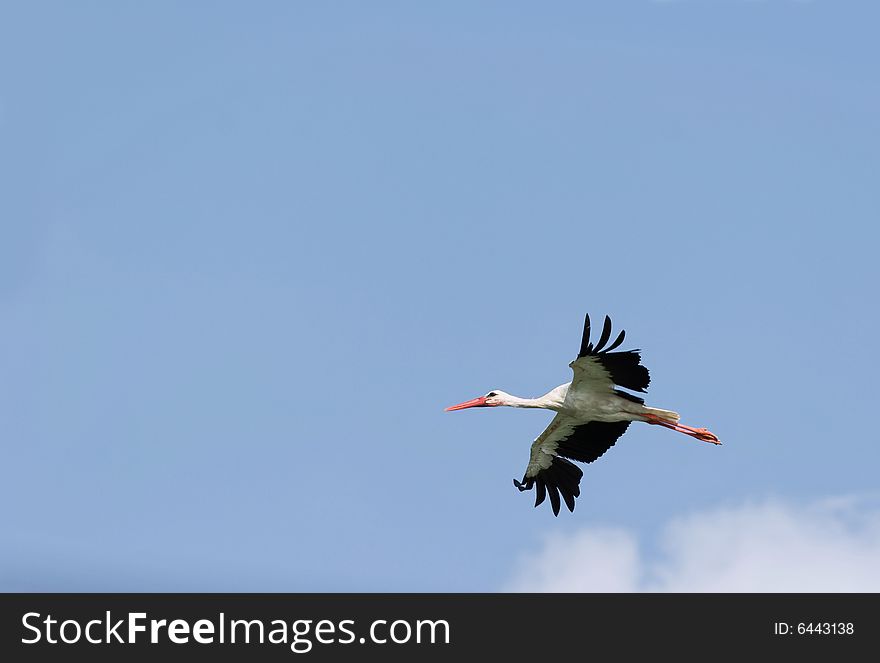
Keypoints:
pixel 699 433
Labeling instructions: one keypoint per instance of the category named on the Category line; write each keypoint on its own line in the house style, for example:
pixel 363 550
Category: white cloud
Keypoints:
pixel 827 546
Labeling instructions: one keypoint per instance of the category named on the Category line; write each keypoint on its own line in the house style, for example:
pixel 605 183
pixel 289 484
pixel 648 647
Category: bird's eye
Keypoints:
pixel 491 394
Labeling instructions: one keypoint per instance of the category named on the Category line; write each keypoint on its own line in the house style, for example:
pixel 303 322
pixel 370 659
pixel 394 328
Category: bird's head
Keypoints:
pixel 492 399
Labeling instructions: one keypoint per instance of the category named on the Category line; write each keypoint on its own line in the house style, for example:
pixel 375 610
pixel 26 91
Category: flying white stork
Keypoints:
pixel 590 415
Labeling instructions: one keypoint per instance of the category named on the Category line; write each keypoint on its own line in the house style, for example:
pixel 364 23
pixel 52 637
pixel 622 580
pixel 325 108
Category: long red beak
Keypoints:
pixel 476 402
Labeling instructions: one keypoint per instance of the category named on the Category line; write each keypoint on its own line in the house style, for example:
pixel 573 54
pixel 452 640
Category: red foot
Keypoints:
pixel 699 433
pixel 705 435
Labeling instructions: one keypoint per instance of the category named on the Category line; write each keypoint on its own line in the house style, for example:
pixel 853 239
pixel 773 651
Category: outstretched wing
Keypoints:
pixel 598 369
pixel 548 470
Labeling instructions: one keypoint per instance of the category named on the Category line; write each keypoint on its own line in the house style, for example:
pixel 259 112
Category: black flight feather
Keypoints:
pixel 541 491
pixel 606 334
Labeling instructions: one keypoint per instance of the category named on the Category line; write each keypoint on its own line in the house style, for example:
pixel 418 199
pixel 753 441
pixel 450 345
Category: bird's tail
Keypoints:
pixel 668 415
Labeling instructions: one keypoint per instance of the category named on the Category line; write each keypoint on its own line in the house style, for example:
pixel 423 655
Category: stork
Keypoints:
pixel 591 414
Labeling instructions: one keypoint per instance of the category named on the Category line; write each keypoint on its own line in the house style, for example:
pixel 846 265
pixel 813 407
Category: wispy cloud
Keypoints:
pixel 828 546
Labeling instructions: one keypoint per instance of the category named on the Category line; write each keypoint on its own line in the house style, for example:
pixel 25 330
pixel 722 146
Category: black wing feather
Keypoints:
pixel 606 334
pixel 561 478
pixel 553 492
pixel 540 492
pixel 589 441
pixel 568 496
pixel 629 397
pixel 586 348
pixel 624 367
pixel 617 341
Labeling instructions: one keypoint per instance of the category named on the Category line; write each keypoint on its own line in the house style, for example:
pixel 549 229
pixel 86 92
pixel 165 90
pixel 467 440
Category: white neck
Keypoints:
pixel 516 401
pixel 549 401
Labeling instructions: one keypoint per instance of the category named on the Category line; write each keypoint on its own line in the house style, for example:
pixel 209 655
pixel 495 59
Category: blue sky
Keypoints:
pixel 250 251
